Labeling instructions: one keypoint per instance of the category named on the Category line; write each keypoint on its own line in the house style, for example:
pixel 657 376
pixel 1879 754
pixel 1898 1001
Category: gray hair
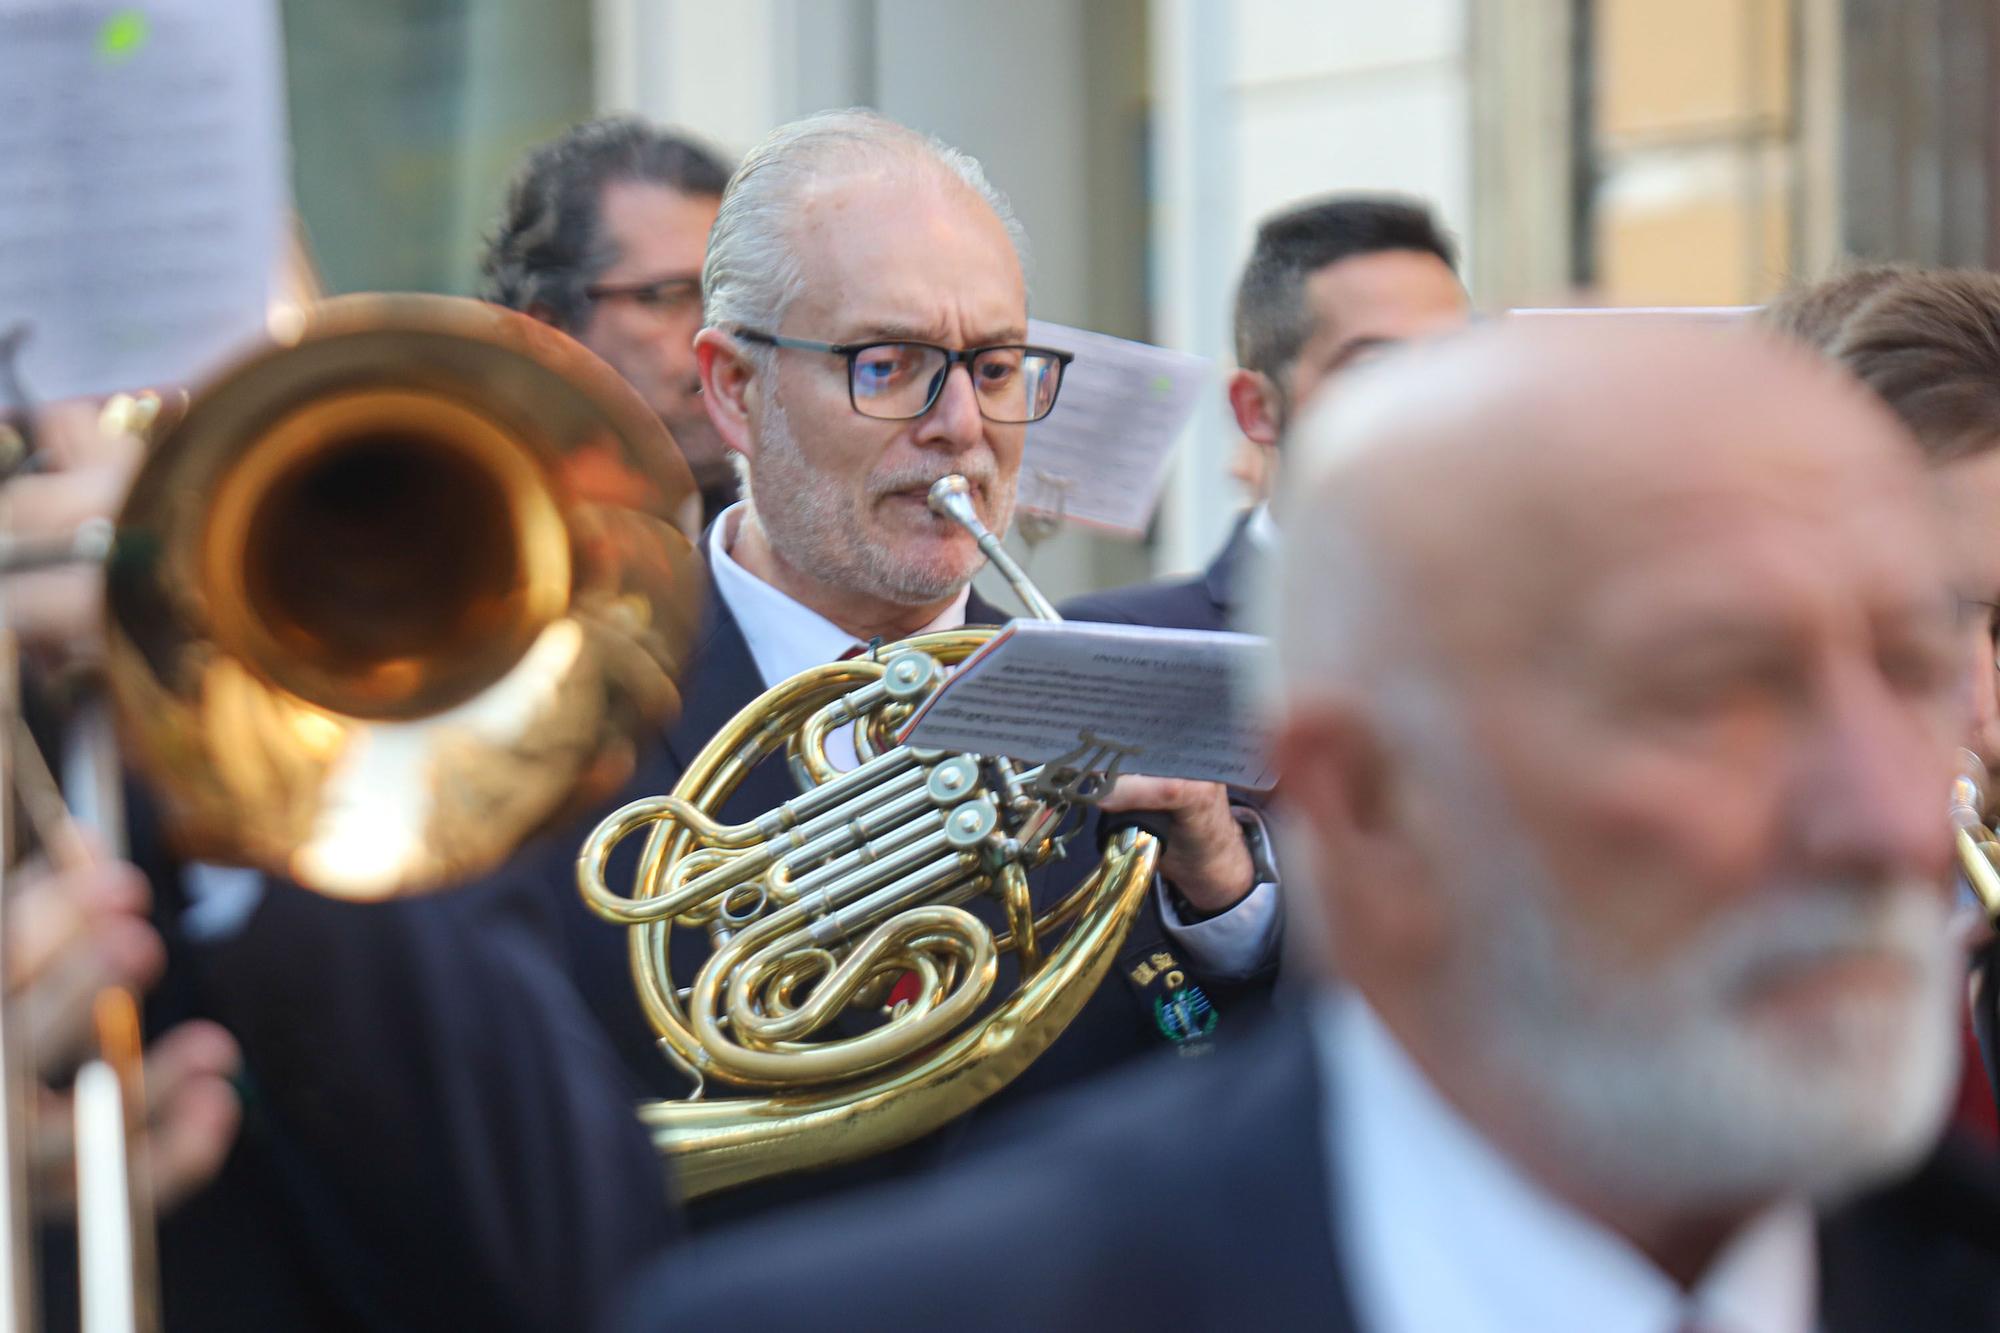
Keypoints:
pixel 548 245
pixel 752 272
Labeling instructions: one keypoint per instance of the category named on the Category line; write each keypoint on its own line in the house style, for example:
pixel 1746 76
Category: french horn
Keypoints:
pixel 819 908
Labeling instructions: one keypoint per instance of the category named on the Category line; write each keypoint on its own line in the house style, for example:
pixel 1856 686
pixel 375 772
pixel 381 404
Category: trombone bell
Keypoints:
pixel 397 592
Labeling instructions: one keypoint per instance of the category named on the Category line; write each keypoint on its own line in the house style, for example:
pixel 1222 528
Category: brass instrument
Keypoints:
pixel 392 592
pixel 820 906
pixel 1978 848
pixel 396 591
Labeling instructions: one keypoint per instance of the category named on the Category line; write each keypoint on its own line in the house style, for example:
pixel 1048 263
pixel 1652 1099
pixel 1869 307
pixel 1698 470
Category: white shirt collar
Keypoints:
pixel 1439 1230
pixel 784 635
pixel 1263 528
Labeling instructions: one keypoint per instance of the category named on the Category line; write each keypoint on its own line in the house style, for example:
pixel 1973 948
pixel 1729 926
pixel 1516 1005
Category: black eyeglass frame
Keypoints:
pixel 648 293
pixel 952 357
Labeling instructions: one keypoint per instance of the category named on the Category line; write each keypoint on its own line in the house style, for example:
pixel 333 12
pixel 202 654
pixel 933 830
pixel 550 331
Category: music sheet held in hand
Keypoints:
pixel 142 187
pixel 1179 701
pixel 1101 457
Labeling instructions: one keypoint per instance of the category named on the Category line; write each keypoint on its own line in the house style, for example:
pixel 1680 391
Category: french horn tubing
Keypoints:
pixel 816 909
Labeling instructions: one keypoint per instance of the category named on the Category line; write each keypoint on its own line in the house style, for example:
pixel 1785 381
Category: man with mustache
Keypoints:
pixel 1619 692
pixel 866 318
pixel 602 236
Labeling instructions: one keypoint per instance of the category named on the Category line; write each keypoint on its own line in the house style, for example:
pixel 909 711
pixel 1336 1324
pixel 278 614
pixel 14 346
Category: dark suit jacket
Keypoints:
pixel 1213 599
pixel 436 1132
pixel 1115 1025
pixel 1097 1216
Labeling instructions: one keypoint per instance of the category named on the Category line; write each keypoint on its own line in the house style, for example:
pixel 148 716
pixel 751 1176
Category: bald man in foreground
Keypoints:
pixel 1621 687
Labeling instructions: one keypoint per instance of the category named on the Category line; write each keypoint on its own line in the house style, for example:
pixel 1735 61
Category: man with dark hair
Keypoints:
pixel 602 236
pixel 1329 283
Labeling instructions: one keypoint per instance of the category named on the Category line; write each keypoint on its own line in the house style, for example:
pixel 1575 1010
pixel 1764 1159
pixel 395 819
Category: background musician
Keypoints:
pixel 1927 342
pixel 602 236
pixel 1330 283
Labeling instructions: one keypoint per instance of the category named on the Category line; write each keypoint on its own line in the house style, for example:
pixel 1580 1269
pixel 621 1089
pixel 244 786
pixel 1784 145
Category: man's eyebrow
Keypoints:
pixel 1349 351
pixel 894 331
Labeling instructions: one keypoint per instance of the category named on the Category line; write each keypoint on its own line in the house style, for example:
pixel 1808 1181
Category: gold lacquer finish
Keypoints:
pixel 1978 849
pixel 817 910
pixel 397 590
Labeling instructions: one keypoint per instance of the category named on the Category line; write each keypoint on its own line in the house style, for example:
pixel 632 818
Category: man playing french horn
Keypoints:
pixel 866 311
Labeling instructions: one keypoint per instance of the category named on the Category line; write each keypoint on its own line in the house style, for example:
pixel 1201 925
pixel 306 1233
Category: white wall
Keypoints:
pixel 1028 87
pixel 1262 102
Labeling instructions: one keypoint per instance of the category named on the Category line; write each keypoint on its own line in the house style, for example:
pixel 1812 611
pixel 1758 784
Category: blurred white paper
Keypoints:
pixel 1172 699
pixel 142 186
pixel 1101 457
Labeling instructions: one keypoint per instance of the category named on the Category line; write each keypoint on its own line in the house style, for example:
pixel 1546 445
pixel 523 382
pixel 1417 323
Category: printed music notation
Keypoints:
pixel 1177 701
pixel 142 187
pixel 1122 409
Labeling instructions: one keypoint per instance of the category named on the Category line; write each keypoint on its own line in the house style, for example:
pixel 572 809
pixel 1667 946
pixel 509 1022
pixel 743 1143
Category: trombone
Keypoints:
pixel 391 594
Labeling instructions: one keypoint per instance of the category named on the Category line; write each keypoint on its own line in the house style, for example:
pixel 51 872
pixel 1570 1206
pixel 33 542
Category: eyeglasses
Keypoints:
pixel 900 381
pixel 667 295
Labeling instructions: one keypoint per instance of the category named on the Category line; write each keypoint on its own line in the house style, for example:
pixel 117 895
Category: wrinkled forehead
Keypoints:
pixel 905 252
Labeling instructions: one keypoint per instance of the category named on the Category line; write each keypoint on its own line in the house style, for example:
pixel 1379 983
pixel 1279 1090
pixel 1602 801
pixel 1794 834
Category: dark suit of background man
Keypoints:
pixel 602 236
pixel 1619 699
pixel 1330 283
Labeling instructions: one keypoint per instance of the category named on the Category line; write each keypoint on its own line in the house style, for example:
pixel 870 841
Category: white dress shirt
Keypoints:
pixel 1264 528
pixel 785 637
pixel 1439 1231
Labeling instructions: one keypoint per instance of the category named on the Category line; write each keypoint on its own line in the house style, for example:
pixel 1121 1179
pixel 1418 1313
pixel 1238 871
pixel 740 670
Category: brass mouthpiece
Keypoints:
pixel 951 497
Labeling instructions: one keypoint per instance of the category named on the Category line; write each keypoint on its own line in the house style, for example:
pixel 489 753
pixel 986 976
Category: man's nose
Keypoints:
pixel 953 421
pixel 1874 784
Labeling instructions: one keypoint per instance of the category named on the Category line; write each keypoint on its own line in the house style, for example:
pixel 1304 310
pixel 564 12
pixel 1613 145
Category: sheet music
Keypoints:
pixel 142 186
pixel 1101 456
pixel 1177 700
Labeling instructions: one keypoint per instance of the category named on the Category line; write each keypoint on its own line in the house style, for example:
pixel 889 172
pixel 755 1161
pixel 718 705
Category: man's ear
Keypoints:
pixel 1258 405
pixel 1341 783
pixel 726 374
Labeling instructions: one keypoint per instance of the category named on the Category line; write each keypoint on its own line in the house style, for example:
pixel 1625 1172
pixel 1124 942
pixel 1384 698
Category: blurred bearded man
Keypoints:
pixel 1619 691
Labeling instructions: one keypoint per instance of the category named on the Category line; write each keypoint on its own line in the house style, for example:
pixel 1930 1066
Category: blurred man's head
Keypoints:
pixel 1927 342
pixel 1620 690
pixel 603 236
pixel 850 232
pixel 1329 284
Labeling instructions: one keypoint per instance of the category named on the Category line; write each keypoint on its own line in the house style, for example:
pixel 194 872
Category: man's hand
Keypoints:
pixel 58 612
pixel 1206 859
pixel 69 936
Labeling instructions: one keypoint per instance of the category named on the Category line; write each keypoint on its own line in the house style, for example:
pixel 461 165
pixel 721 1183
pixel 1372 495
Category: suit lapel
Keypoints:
pixel 979 611
pixel 723 682
pixel 1225 573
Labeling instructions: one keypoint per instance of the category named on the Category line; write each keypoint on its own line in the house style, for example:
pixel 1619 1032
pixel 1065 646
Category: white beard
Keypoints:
pixel 1659 1086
